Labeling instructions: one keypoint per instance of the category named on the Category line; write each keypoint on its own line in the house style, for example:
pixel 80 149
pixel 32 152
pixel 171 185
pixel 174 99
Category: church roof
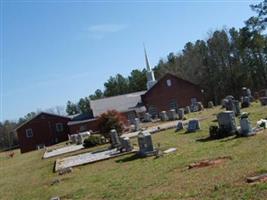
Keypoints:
pixel 121 103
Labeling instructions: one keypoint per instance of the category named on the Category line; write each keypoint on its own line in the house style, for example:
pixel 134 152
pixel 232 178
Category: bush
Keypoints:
pixel 112 119
pixel 93 140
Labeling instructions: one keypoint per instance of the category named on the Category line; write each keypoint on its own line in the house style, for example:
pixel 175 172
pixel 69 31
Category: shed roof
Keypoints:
pixel 121 103
pixel 46 113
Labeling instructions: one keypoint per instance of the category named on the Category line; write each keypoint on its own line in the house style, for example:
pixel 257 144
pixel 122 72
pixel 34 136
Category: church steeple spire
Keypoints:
pixel 147 62
pixel 149 74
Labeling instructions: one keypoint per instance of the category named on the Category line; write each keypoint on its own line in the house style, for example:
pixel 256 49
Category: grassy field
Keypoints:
pixel 27 176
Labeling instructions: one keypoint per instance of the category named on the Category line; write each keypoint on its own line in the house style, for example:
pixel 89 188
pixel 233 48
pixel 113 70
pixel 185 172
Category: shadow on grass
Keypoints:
pixel 222 139
pixel 129 158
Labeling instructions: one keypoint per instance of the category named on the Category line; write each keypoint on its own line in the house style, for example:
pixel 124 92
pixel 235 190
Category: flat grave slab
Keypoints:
pixel 63 150
pixel 87 158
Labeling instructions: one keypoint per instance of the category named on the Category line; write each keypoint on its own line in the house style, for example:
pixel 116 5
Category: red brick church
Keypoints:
pixel 170 92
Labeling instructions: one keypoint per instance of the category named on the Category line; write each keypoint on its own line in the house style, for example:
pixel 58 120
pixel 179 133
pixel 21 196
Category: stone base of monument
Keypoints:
pixel 147 154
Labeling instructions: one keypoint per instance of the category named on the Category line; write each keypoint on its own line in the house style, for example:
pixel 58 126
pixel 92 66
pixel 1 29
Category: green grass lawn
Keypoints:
pixel 27 176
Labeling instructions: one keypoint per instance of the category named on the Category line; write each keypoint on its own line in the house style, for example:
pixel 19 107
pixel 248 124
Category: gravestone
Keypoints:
pixel 232 105
pixel 115 140
pixel 179 126
pixel 263 101
pixel 73 138
pixel 163 116
pixel 172 115
pixel 246 128
pixel 145 143
pixel 147 117
pixel 226 121
pixel 126 144
pixel 246 92
pixel 187 109
pixel 136 124
pixel 181 113
pixel 200 106
pixel 82 136
pixel 236 107
pixel 245 102
pixel 210 104
pixel 229 104
pixel 193 125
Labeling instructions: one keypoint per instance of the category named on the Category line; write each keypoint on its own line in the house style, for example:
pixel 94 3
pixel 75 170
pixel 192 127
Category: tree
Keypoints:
pixel 97 95
pixel 112 119
pixel 27 117
pixel 84 105
pixel 137 80
pixel 258 23
pixel 72 108
pixel 116 86
pixel 8 138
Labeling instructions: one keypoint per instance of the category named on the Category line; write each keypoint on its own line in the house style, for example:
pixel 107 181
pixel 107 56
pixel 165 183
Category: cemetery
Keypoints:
pixel 127 165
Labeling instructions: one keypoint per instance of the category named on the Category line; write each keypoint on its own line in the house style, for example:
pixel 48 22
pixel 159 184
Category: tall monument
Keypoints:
pixel 149 74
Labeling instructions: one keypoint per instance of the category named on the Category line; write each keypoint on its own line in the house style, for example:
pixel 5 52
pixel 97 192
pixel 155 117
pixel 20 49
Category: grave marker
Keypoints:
pixel 181 113
pixel 145 143
pixel 226 121
pixel 246 128
pixel 163 116
pixel 193 125
pixel 172 115
pixel 115 140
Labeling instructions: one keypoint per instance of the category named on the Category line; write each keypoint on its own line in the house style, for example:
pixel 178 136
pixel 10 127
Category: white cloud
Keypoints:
pixel 107 28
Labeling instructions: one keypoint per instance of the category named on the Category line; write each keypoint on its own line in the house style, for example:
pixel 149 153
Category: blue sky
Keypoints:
pixel 55 51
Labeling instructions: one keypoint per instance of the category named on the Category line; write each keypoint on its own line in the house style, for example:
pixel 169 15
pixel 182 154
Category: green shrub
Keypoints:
pixel 93 140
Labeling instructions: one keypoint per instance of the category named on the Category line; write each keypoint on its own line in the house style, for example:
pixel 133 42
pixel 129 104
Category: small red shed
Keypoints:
pixel 44 129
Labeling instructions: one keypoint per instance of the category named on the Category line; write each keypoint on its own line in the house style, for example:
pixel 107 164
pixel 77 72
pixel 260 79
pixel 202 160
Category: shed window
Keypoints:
pixel 29 133
pixel 169 83
pixel 59 127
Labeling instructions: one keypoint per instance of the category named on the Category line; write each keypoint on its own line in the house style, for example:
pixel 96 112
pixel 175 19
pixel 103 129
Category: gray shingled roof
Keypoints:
pixel 121 103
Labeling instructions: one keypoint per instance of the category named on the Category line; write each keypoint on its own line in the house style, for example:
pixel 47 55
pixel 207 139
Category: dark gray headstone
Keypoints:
pixel 115 140
pixel 145 143
pixel 126 144
pixel 193 125
pixel 179 126
pixel 226 121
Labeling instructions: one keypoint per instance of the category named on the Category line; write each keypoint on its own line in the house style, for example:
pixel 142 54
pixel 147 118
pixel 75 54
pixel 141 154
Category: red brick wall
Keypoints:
pixel 90 125
pixel 180 90
pixel 44 132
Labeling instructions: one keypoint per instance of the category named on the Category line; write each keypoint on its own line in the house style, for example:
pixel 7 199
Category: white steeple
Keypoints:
pixel 149 74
